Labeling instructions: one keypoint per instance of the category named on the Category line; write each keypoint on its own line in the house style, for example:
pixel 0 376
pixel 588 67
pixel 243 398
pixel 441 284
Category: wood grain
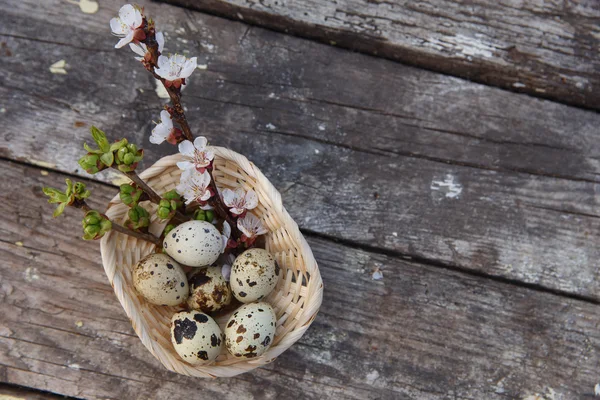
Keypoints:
pixel 11 392
pixel 420 333
pixel 544 48
pixel 414 163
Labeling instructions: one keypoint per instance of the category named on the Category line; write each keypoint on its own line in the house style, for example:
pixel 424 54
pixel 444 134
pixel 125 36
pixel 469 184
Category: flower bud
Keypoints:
pixel 200 215
pixel 91 163
pixel 95 225
pixel 210 215
pixel 138 218
pixel 130 194
pixel 168 229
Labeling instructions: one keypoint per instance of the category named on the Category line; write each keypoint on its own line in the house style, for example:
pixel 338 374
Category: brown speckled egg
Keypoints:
pixel 196 337
pixel 209 291
pixel 194 243
pixel 254 274
pixel 250 330
pixel 160 280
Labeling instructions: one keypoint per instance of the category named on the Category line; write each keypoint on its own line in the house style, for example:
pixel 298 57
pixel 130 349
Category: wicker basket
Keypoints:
pixel 296 298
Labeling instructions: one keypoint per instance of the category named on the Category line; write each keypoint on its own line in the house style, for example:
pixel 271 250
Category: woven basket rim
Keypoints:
pixel 139 315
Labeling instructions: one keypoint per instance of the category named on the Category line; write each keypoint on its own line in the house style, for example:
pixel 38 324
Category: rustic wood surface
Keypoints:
pixel 480 205
pixel 421 333
pixel 408 161
pixel 543 48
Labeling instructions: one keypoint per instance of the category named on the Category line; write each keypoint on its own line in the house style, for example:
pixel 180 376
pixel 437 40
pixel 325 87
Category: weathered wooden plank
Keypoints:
pixel 544 48
pixel 10 392
pixel 420 333
pixel 453 173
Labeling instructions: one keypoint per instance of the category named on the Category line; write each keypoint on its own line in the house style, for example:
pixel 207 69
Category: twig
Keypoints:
pixel 178 115
pixel 154 197
pixel 82 205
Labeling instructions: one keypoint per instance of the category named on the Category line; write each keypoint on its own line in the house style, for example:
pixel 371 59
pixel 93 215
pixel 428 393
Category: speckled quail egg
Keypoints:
pixel 160 280
pixel 254 274
pixel 209 290
pixel 196 337
pixel 250 330
pixel 194 243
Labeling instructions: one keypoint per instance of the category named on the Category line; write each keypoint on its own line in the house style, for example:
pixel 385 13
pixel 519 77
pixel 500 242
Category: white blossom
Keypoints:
pixel 141 49
pixel 127 25
pixel 193 186
pixel 225 235
pixel 251 226
pixel 175 69
pixel 196 155
pixel 163 130
pixel 240 200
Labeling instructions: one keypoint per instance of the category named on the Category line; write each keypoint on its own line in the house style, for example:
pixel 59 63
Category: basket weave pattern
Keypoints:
pixel 296 298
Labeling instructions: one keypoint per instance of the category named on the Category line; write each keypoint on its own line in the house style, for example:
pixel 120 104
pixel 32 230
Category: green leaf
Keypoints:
pixel 100 139
pixel 59 210
pixel 90 150
pixel 69 190
pixel 107 159
pixel 117 145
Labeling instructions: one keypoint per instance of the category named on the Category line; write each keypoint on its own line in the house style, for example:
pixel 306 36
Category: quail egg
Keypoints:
pixel 196 337
pixel 194 243
pixel 254 274
pixel 209 290
pixel 250 330
pixel 160 280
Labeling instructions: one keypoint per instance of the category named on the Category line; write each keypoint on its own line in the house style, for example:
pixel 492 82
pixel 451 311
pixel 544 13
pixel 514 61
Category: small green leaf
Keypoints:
pixel 107 159
pixel 59 209
pixel 100 139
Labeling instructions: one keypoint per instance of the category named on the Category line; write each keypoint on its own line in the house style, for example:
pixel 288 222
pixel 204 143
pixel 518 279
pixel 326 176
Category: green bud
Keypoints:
pixel 128 159
pixel 200 215
pixel 130 194
pixel 118 145
pixel 138 218
pixel 164 213
pixel 100 139
pixel 91 230
pixel 92 219
pixel 164 203
pixel 91 163
pixel 172 195
pixel 168 229
pixel 80 192
pixel 210 215
pixel 95 225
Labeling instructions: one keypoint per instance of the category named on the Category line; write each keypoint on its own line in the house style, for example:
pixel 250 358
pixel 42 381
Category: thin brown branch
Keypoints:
pixel 154 197
pixel 82 205
pixel 178 115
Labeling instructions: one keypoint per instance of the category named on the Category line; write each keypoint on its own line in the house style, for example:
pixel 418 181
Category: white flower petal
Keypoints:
pixel 200 143
pixel 128 38
pixel 186 148
pixel 226 271
pixel 160 39
pixel 251 200
pixel 226 229
pixel 166 119
pixel 185 165
pixel 188 68
pixel 228 197
pixel 137 49
pixel 162 61
pixel 237 211
pixel 117 27
pixel 156 138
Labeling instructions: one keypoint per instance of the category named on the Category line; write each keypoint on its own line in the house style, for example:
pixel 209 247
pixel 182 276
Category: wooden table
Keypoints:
pixel 457 148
